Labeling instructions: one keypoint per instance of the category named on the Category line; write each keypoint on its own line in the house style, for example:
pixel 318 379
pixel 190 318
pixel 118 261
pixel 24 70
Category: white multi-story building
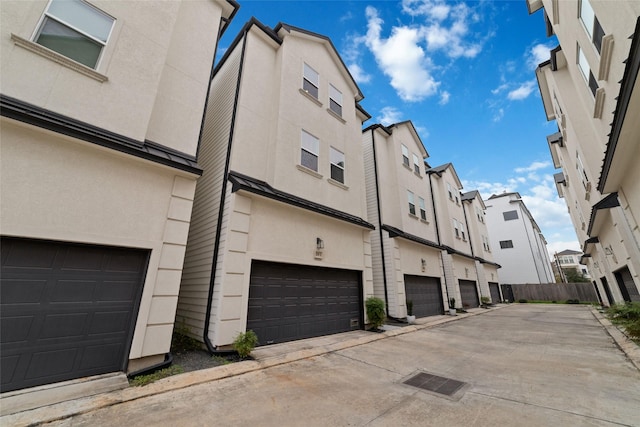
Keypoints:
pixel 568 260
pixel 590 87
pixel 279 241
pixel 516 241
pixel 102 104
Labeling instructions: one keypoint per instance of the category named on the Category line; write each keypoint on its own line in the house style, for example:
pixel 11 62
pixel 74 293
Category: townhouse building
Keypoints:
pixel 589 88
pixel 517 242
pixel 568 261
pixel 99 165
pixel 478 233
pixel 407 262
pixel 465 279
pixel 279 240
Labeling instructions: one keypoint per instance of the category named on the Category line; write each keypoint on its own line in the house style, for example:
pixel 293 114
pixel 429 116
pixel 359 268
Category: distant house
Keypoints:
pixel 101 109
pixel 406 255
pixel 516 241
pixel 279 240
pixel 590 88
pixel 569 260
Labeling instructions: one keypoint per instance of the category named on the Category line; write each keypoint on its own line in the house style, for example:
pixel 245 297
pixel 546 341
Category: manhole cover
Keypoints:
pixel 435 384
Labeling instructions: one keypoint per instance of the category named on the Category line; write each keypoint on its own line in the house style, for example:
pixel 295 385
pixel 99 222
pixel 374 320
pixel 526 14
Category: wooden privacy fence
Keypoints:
pixel 583 292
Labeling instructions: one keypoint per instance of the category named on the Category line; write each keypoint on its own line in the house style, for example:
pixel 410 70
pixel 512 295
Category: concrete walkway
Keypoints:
pixel 524 365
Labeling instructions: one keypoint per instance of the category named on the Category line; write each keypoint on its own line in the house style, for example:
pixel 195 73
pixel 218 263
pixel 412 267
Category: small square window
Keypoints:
pixel 75 29
pixel 309 151
pixel 310 81
pixel 405 155
pixel 412 203
pixel 337 165
pixel 506 244
pixel 423 209
pixel 335 100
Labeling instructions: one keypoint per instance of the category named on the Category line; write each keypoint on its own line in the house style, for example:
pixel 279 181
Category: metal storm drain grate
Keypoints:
pixel 436 384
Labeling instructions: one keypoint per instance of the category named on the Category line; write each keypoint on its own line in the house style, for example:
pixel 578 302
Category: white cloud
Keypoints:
pixel 498 115
pixel 436 10
pixel 389 115
pixel 401 58
pixel 522 91
pixel 444 97
pixel 501 88
pixel 538 54
pixel 359 75
pixel 534 166
pixel 423 132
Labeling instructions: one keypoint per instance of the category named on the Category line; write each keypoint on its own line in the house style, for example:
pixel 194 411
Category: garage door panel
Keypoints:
pixel 52 318
pixel 469 294
pixel 311 301
pixel 425 293
pixel 494 289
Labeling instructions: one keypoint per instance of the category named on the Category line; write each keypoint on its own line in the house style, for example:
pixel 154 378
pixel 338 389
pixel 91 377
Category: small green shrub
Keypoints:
pixel 141 380
pixel 221 360
pixel 245 342
pixel 181 342
pixel 452 303
pixel 485 300
pixel 409 307
pixel 522 301
pixel 375 311
pixel 573 301
pixel 627 316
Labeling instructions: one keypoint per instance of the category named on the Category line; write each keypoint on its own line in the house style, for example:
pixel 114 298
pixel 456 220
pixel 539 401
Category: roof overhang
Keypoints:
pixel 590 245
pixel 555 141
pixel 229 10
pixel 396 232
pixel 543 73
pixel 560 181
pixel 534 6
pixel 598 213
pixel 623 148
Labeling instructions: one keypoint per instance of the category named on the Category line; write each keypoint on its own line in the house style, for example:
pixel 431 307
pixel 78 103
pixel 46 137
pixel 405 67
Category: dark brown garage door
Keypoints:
pixel 494 289
pixel 289 302
pixel 67 311
pixel 469 294
pixel 426 294
pixel 627 286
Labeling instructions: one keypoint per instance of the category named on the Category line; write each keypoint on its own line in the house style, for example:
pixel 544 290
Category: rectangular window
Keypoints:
pixel 463 232
pixel 510 215
pixel 450 191
pixel 423 209
pixel 335 100
pixel 309 151
pixel 485 243
pixel 75 29
pixel 412 203
pixel 583 64
pixel 416 164
pixel 455 227
pixel 337 165
pixel 591 24
pixel 310 81
pixel 581 172
pixel 405 155
pixel 506 244
pixel 480 214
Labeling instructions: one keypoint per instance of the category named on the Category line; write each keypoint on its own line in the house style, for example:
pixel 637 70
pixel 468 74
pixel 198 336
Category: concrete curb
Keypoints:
pixel 63 410
pixel 628 347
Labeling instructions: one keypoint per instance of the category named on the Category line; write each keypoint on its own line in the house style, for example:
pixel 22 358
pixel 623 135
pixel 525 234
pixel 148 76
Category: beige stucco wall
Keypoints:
pixel 58 188
pixel 157 64
pixel 267 230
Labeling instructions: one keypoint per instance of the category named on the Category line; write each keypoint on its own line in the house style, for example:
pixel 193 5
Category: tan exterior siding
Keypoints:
pixel 202 234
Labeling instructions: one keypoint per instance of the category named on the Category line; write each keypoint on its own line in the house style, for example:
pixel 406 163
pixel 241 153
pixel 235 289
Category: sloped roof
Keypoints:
pixel 569 252
pixel 439 170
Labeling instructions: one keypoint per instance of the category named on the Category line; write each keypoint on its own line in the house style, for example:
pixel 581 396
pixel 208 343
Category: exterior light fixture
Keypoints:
pixel 319 243
pixel 423 263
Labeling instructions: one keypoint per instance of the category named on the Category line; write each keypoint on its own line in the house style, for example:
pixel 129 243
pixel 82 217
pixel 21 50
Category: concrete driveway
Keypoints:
pixel 523 365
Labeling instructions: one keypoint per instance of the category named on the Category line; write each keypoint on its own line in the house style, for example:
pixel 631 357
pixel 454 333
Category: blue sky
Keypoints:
pixel 462 72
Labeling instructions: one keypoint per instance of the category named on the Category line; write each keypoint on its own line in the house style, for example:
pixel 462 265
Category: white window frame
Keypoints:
pixel 416 164
pixel 412 203
pixel 48 15
pixel 450 190
pixel 313 78
pixel 335 96
pixel 463 231
pixel 405 155
pixel 423 209
pixel 591 24
pixel 333 151
pixel 455 227
pixel 309 150
pixel 581 171
pixel 585 70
